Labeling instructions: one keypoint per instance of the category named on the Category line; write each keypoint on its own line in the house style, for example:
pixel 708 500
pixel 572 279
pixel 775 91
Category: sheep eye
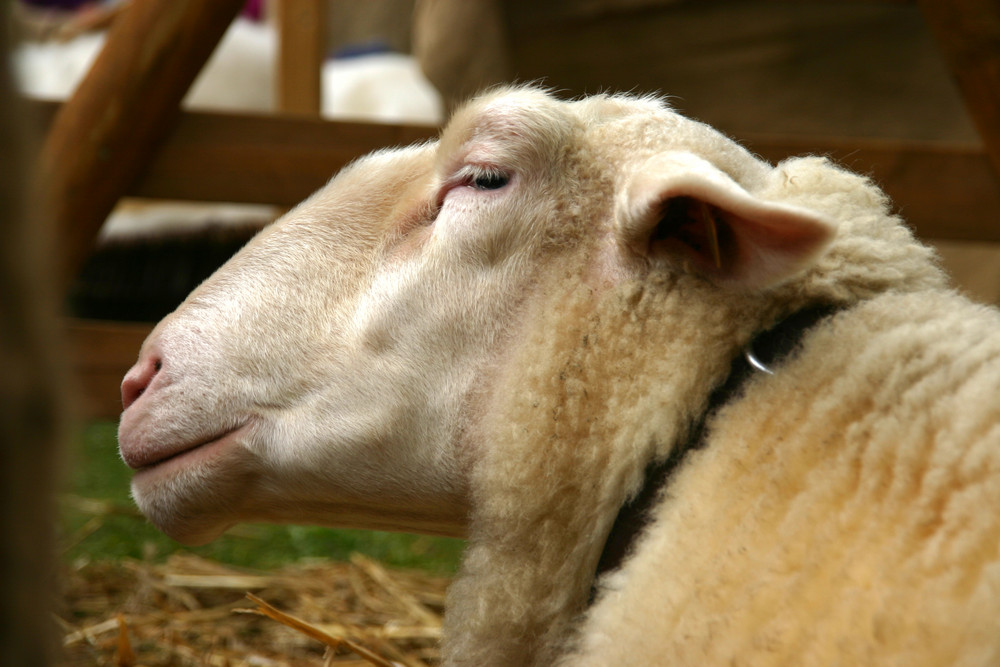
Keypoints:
pixel 490 180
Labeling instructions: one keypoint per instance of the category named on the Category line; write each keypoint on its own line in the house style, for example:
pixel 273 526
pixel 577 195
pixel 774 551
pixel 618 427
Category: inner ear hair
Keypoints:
pixel 694 224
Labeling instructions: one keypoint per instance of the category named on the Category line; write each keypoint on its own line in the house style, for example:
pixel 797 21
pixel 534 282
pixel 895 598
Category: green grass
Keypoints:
pixel 95 472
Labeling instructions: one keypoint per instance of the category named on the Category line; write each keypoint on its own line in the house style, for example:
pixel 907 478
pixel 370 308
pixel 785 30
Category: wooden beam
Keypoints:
pixel 255 159
pixel 105 135
pixel 301 48
pixel 968 32
pixel 100 353
pixel 943 191
pixel 259 159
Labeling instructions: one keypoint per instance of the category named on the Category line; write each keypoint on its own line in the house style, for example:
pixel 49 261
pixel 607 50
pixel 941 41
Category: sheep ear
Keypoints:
pixel 680 207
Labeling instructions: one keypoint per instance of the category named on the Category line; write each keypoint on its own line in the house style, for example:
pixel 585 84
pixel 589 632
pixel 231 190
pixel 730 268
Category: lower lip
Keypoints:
pixel 192 458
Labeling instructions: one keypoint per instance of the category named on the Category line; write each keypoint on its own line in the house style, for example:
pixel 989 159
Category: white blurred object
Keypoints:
pixel 51 70
pixel 382 87
pixel 239 76
pixel 137 217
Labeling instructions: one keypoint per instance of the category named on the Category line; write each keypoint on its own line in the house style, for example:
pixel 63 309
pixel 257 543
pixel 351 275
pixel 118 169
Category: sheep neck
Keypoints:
pixel 768 347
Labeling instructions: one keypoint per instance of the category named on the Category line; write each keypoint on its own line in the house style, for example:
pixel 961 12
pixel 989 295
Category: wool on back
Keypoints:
pixel 848 496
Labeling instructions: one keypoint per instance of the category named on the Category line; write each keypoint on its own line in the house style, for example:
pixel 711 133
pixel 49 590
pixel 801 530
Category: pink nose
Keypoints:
pixel 140 376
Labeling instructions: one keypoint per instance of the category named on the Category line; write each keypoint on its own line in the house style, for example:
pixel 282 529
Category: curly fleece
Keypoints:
pixel 843 510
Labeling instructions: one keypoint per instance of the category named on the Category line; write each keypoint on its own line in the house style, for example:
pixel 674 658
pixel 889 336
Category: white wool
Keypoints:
pixel 496 333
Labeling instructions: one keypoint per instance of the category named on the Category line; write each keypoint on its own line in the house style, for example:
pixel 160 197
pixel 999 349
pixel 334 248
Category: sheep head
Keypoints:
pixel 334 371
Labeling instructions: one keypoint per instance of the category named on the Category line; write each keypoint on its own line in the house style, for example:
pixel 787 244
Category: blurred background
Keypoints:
pixel 294 89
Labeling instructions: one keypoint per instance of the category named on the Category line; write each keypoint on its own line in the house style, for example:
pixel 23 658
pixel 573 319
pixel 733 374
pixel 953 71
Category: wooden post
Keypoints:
pixel 103 137
pixel 33 421
pixel 968 32
pixel 301 46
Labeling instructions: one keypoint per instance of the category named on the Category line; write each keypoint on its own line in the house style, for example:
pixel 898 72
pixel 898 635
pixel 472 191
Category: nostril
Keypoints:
pixel 138 379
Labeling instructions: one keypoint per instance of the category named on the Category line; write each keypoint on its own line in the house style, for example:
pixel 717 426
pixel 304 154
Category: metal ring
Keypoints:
pixel 755 362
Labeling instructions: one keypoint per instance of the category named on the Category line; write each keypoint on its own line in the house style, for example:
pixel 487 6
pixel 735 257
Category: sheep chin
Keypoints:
pixel 196 495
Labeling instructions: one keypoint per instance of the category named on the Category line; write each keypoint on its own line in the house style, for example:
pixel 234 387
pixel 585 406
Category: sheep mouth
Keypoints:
pixel 192 455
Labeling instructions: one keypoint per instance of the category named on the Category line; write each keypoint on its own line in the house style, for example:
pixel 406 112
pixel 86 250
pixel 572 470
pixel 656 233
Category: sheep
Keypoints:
pixel 497 334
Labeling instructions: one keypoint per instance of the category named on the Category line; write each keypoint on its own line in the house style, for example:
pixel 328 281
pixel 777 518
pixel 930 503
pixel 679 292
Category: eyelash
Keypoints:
pixel 476 176
pixel 487 178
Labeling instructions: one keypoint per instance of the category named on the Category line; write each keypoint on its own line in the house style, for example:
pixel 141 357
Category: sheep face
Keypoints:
pixel 334 370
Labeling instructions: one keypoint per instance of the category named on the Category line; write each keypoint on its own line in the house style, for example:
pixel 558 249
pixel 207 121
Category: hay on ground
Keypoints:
pixel 192 611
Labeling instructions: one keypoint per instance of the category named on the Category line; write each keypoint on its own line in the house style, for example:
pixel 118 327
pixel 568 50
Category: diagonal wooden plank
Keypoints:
pixel 103 138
